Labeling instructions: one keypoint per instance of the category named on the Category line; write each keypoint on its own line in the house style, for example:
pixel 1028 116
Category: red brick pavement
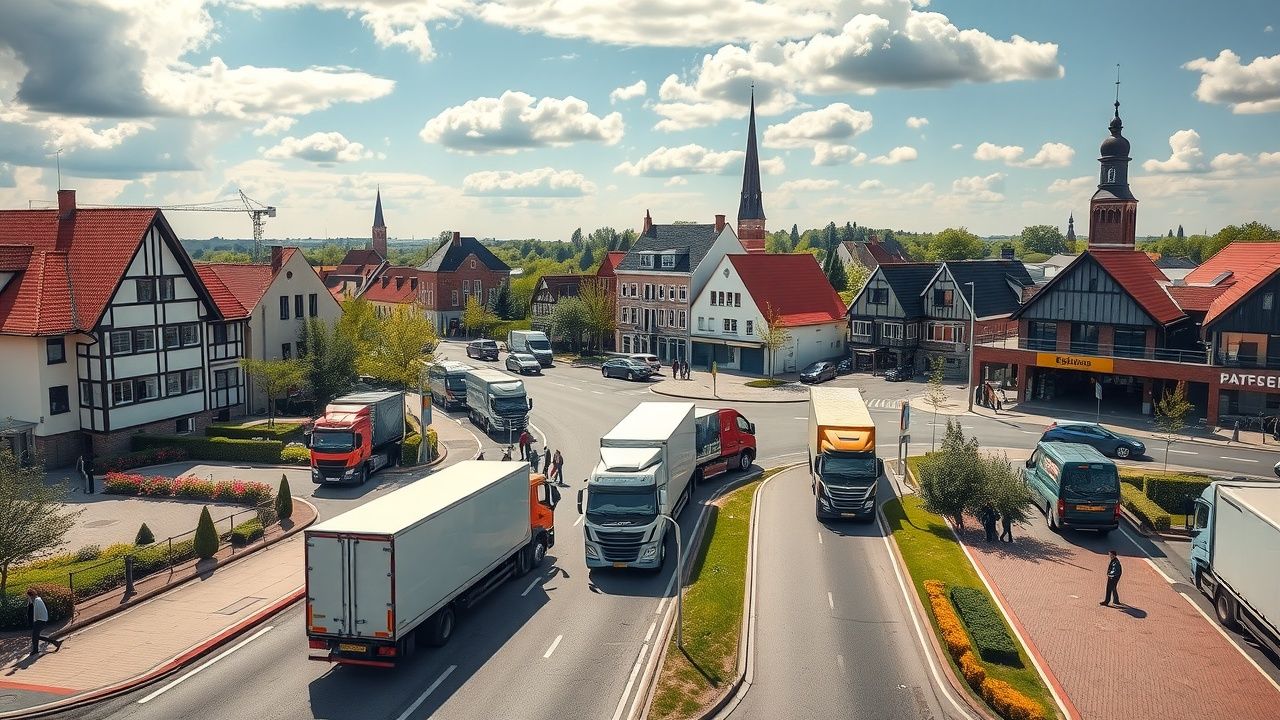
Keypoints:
pixel 1157 658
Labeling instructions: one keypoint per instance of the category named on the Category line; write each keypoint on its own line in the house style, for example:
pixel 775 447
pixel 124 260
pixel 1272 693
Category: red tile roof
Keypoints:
pixel 1196 298
pixel 73 267
pixel 1236 258
pixel 791 285
pixel 611 260
pixel 402 292
pixel 1246 282
pixel 228 305
pixel 1140 277
pixel 247 283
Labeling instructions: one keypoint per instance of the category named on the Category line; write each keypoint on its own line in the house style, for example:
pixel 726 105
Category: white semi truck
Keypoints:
pixel 1235 556
pixel 497 401
pixel 386 575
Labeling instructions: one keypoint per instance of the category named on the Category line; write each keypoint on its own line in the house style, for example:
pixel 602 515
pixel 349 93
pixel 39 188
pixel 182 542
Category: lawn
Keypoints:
pixel 931 552
pixel 692 679
pixel 765 383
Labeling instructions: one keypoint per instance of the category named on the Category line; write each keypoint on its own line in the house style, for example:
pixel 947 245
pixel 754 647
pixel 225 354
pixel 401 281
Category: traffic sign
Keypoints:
pixel 904 417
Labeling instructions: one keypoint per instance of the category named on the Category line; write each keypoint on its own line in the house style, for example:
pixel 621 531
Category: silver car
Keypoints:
pixel 523 363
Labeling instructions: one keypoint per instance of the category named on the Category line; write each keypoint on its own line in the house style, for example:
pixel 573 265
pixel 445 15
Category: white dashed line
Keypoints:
pixel 531 586
pixel 840 661
pixel 649 635
pixel 554 644
pixel 831 602
pixel 207 664
pixel 819 537
pixel 430 689
pixel 578 521
pixel 1224 457
pixel 661 605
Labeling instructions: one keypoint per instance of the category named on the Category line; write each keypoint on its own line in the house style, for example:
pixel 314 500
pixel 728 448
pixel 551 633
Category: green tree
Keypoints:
pixel 956 244
pixel 777 242
pixel 601 310
pixel 847 232
pixel 1181 234
pixel 794 238
pixel 1044 239
pixel 837 277
pixel 144 536
pixel 626 239
pixel 1253 231
pixel 774 335
pixel 206 540
pixel 587 261
pixel 570 319
pixel 952 479
pixel 1171 412
pixel 856 276
pixel 576 239
pixel 329 360
pixel 358 324
pixel 33 518
pixel 275 378
pixel 284 499
pixel 503 304
pixel 235 257
pixel 936 395
pixel 406 342
pixel 475 316
pixel 1006 491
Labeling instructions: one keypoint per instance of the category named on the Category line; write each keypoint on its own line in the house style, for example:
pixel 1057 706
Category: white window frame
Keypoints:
pixel 173 383
pixel 139 344
pixel 671 318
pixel 702 323
pixel 737 299
pixel 751 326
pixel 149 284
pixel 892 331
pixel 194 329
pixel 477 288
pixel 121 392
pixel 857 325
pixel 684 293
pixel 455 299
pixel 913 331
pixel 165 288
pixel 684 321
pixel 668 260
pixel 164 337
pixel 662 292
pixel 192 380
pixel 125 334
pixel 646 261
pixel 184 426
pixel 146 388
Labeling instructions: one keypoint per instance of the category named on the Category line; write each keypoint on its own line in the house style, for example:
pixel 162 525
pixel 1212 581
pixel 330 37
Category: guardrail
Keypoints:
pixel 1131 352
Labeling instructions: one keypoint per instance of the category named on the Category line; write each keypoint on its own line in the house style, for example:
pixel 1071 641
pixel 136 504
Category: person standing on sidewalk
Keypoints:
pixel 546 463
pixel 1114 571
pixel 557 469
pixel 1006 527
pixel 988 518
pixel 38 615
pixel 524 445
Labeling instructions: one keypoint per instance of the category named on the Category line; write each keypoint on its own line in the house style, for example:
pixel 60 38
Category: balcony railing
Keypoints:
pixel 1189 357
pixel 1261 363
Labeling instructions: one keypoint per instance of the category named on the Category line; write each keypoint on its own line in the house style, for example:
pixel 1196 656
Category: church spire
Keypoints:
pixel 379 243
pixel 751 207
pixel 1071 227
pixel 1113 208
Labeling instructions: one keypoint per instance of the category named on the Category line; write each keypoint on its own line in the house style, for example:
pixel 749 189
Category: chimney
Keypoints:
pixel 457 239
pixel 719 224
pixel 66 204
pixel 277 258
pixel 873 238
pixel 648 223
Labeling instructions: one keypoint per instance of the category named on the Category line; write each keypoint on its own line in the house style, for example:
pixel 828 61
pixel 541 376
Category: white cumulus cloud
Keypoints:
pixel 915 123
pixel 1050 154
pixel 1229 161
pixel 1072 186
pixel 320 147
pixel 989 188
pixel 518 121
pixel 1185 155
pixel 275 126
pixel 1252 88
pixel 1269 158
pixel 829 154
pixel 628 92
pixel 900 154
pixel 870 185
pixel 1004 153
pixel 693 159
pixel 808 185
pixel 542 182
pixel 835 122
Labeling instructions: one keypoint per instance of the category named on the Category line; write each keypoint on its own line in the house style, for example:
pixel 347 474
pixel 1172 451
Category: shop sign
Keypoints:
pixel 1249 380
pixel 1075 362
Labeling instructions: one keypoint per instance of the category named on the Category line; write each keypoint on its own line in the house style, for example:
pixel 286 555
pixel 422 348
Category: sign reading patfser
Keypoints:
pixel 1086 363
pixel 1249 380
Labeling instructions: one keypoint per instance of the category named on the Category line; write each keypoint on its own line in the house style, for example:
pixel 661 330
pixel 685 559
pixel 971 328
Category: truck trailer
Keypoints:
pixel 1235 556
pixel 843 466
pixel 357 436
pixel 648 464
pixel 393 572
pixel 497 401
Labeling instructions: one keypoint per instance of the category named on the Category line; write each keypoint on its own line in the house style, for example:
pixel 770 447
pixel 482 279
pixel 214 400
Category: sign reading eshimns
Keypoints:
pixel 1249 380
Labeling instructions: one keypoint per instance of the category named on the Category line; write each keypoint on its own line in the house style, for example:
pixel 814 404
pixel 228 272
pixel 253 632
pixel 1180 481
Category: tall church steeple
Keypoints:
pixel 751 216
pixel 379 243
pixel 1113 210
pixel 1071 227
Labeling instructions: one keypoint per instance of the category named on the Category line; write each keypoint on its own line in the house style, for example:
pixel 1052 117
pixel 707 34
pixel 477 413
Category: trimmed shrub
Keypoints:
pixel 144 536
pixel 282 431
pixel 952 630
pixel 246 532
pixel 141 458
pixel 1175 493
pixel 972 670
pixel 87 553
pixel 985 626
pixel 188 486
pixel 262 452
pixel 295 455
pixel 1009 702
pixel 284 499
pixel 206 540
pixel 409 449
pixel 1131 477
pixel 1144 508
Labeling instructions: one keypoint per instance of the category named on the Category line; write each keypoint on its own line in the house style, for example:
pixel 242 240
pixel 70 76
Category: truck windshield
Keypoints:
pixel 539 345
pixel 337 441
pixel 1094 481
pixel 510 406
pixel 848 468
pixel 456 383
pixel 622 506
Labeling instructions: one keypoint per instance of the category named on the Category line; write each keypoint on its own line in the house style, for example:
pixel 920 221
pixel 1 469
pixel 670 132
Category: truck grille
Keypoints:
pixel 620 546
pixel 331 464
pixel 845 499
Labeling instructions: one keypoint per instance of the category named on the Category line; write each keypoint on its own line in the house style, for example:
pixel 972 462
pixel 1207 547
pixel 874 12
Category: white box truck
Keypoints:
pixel 1235 556
pixel 392 572
pixel 647 462
pixel 533 342
pixel 497 401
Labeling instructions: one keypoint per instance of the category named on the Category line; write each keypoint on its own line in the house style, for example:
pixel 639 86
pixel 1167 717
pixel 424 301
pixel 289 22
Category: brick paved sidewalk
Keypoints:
pixel 1155 658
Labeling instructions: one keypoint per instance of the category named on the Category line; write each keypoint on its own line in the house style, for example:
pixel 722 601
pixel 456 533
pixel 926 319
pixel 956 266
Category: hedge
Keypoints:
pixel 985 626
pixel 1173 493
pixel 264 452
pixel 142 458
pixel 246 532
pixel 409 450
pixel 282 431
pixel 189 487
pixel 294 455
pixel 1144 507
pixel 109 575
pixel 57 600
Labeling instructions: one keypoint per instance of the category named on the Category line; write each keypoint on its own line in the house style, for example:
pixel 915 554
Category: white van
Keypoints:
pixel 533 342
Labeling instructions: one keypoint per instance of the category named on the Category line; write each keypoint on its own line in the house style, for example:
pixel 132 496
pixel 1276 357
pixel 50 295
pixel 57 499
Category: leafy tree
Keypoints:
pixel 563 252
pixel 777 243
pixel 935 395
pixel 847 232
pixel 830 238
pixel 952 479
pixel 626 239
pixel 774 335
pixel 284 499
pixel 956 244
pixel 1181 234
pixel 1253 231
pixel 1171 412
pixel 275 378
pixel 325 254
pixel 358 324
pixel 887 236
pixel 406 342
pixel 329 361
pixel 1042 239
pixel 206 540
pixel 503 303
pixel 576 239
pixel 838 278
pixel 587 261
pixel 475 316
pixel 1006 491
pixel 795 237
pixel 601 310
pixel 856 276
pixel 144 536
pixel 33 518
pixel 570 319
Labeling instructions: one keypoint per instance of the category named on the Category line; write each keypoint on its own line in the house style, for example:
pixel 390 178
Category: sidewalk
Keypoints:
pixel 730 387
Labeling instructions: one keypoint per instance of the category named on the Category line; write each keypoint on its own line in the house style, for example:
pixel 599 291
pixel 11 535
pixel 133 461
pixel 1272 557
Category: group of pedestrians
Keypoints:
pixel 988 395
pixel 680 370
pixel 552 462
pixel 989 515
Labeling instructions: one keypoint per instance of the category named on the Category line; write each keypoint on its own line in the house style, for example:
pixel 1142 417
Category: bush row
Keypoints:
pixel 13 607
pixel 265 452
pixel 985 626
pixel 246 532
pixel 142 458
pixel 281 431
pixel 295 455
pixel 191 487
pixel 1001 696
pixel 1175 493
pixel 1144 507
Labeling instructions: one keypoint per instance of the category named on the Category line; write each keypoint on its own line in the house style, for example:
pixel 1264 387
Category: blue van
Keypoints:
pixel 1075 486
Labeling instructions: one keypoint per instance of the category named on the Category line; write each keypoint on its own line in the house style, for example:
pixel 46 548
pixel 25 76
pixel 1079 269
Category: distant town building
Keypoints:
pixel 551 288
pixel 871 253
pixel 359 267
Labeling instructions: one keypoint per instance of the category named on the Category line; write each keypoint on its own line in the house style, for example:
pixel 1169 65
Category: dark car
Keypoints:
pixel 844 367
pixel 482 349
pixel 1096 436
pixel 819 371
pixel 523 363
pixel 628 368
pixel 899 374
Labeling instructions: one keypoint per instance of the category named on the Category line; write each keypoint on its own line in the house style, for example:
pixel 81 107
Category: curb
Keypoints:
pixel 1136 524
pixel 656 391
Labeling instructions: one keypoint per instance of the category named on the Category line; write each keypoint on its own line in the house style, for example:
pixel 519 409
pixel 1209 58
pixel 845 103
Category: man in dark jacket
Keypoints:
pixel 988 518
pixel 1114 571
pixel 546 462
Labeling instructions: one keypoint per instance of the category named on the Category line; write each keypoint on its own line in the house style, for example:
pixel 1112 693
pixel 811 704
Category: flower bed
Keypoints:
pixel 190 487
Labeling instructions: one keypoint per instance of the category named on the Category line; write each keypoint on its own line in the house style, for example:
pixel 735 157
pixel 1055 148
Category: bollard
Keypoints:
pixel 128 575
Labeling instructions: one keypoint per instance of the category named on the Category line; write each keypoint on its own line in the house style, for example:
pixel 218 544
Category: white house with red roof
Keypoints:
pixel 105 331
pixel 275 299
pixel 732 311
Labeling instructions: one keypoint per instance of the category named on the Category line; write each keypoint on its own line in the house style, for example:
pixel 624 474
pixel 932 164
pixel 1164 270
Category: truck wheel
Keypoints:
pixel 538 551
pixel 440 627
pixel 744 460
pixel 409 646
pixel 522 562
pixel 364 475
pixel 1049 519
pixel 1226 610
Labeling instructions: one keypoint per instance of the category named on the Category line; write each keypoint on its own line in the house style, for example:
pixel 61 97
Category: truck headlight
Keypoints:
pixel 315 472
pixel 650 552
pixel 592 552
pixel 349 472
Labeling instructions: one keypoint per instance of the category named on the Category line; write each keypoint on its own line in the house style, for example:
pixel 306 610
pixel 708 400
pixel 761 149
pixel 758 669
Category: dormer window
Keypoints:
pixel 668 261
pixel 646 261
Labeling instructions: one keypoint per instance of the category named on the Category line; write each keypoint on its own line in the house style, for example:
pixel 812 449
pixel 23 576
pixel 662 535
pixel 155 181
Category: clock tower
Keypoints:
pixel 1113 210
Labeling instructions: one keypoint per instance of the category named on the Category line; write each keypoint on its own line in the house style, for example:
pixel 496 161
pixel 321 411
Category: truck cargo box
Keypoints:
pixel 386 413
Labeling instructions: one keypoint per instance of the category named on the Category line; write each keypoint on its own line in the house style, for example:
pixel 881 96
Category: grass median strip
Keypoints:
pixel 693 678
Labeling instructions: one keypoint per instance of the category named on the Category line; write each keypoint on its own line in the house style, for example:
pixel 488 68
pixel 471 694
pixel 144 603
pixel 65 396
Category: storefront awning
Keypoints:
pixel 727 343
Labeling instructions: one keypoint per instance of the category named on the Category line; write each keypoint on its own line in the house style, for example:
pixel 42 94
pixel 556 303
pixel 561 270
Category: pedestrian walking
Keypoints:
pixel 1114 571
pixel 684 369
pixel 506 453
pixel 546 463
pixel 38 615
pixel 988 517
pixel 557 469
pixel 525 445
pixel 88 472
pixel 1006 527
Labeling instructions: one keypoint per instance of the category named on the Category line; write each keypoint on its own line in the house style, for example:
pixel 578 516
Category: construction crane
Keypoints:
pixel 244 204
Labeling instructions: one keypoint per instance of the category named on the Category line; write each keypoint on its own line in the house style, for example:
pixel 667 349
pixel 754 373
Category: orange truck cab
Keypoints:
pixel 842 454
pixel 357 436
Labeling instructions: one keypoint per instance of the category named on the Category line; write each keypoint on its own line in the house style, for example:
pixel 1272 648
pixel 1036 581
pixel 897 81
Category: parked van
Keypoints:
pixel 531 342
pixel 1075 486
pixel 447 382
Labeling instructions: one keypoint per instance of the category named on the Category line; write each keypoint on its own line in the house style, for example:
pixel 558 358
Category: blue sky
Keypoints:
pixel 528 118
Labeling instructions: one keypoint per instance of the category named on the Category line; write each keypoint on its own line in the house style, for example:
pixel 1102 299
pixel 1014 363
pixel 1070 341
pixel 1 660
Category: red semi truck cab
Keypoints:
pixel 725 441
pixel 357 436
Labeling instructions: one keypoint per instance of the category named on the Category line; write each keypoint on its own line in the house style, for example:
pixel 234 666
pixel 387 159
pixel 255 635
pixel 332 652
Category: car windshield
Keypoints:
pixel 815 367
pixel 539 344
pixel 521 357
pixel 332 440
pixel 457 383
pixel 1090 481
pixel 848 468
pixel 615 505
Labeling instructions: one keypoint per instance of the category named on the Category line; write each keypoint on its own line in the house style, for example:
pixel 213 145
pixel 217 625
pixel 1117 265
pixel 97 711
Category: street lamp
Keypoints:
pixel 679 583
pixel 973 314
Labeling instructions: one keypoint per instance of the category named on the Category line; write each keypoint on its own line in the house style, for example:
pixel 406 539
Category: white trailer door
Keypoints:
pixel 371 582
pixel 326 586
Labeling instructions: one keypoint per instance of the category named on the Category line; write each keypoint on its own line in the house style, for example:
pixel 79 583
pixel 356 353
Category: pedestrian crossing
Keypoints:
pixel 884 403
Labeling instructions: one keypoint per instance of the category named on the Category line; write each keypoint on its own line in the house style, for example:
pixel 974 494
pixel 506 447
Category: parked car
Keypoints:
pixel 626 367
pixel 844 367
pixel 523 363
pixel 819 371
pixel 899 374
pixel 652 361
pixel 482 349
pixel 1094 435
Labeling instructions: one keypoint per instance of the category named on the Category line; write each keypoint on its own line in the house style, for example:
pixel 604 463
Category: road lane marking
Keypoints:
pixel 819 537
pixel 1029 432
pixel 531 586
pixel 831 602
pixel 554 644
pixel 1184 452
pixel 596 392
pixel 578 521
pixel 430 689
pixel 660 606
pixel 207 664
pixel 1224 457
pixel 652 626
pixel 1229 639
pixel 840 661
pixel 631 681
pixel 1159 572
pixel 799 418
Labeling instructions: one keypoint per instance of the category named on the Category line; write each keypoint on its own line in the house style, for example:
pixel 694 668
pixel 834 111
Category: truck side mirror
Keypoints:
pixel 580 494
pixel 553 495
pixel 1030 463
pixel 879 467
pixel 359 441
pixel 530 403
pixel 751 428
